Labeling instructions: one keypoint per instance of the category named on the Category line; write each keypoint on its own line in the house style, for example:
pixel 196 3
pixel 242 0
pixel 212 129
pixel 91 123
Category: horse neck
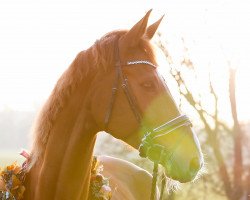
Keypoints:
pixel 63 172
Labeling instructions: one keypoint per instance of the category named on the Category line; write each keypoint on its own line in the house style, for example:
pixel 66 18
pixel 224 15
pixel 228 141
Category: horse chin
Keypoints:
pixel 183 179
pixel 179 174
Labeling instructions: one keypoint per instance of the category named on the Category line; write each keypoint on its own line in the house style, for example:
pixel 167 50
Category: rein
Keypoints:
pixel 148 148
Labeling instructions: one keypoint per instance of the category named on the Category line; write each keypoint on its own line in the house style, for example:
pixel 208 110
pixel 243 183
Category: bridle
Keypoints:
pixel 155 152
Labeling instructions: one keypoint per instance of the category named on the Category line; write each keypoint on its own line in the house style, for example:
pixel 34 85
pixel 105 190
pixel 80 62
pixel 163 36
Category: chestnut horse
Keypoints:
pixel 112 86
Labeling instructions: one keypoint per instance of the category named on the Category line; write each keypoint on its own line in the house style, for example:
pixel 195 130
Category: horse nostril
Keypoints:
pixel 195 164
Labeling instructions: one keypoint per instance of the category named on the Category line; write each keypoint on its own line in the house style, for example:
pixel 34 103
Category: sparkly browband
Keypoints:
pixel 140 62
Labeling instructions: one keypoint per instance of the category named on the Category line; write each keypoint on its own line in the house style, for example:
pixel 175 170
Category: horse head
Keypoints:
pixel 130 100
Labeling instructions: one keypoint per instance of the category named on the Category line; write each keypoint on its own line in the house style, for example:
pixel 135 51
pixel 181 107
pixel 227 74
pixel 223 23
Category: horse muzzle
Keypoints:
pixel 178 166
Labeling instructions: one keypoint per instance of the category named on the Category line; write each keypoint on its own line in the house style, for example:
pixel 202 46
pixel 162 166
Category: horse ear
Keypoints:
pixel 133 36
pixel 153 28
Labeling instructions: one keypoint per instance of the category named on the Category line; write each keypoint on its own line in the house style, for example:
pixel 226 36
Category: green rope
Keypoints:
pixel 163 185
pixel 155 174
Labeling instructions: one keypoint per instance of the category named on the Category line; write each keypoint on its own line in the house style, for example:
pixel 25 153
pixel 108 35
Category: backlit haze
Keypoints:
pixel 39 39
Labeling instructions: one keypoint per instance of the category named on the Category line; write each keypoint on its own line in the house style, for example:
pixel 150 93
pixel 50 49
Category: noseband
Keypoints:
pixel 148 148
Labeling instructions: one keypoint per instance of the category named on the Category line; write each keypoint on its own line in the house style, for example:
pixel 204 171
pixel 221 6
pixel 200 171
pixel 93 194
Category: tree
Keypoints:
pixel 233 169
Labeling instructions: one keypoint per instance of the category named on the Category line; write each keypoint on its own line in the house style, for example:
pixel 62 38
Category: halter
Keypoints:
pixel 148 148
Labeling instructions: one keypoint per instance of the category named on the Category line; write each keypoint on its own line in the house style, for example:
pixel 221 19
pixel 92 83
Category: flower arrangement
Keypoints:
pixel 11 182
pixel 99 185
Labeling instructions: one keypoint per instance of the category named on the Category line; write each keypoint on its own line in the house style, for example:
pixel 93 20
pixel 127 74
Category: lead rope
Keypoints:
pixel 154 181
pixel 163 184
pixel 153 187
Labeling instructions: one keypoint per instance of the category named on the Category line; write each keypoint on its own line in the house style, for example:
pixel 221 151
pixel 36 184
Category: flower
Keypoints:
pixel 99 185
pixel 11 182
pixel 105 191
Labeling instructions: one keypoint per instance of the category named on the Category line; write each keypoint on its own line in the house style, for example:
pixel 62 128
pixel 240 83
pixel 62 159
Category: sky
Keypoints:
pixel 39 39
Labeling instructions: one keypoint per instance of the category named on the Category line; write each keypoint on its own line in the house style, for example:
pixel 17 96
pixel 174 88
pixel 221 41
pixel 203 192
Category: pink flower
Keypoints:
pixel 105 191
pixel 25 154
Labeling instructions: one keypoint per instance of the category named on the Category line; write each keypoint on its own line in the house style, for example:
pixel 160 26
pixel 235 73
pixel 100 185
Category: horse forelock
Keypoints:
pixel 93 60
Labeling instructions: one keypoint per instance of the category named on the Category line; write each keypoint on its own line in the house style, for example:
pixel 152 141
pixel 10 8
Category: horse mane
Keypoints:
pixel 98 57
